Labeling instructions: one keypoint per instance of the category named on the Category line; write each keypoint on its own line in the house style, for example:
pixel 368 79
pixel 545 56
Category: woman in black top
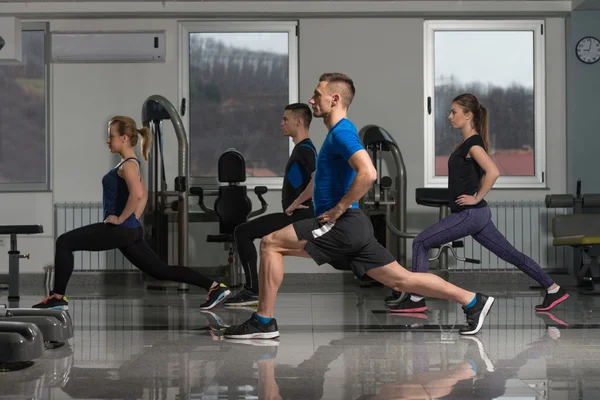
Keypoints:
pixel 471 175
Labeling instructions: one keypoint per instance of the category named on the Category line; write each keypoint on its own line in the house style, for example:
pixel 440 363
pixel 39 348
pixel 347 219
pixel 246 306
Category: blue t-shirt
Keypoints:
pixel 334 176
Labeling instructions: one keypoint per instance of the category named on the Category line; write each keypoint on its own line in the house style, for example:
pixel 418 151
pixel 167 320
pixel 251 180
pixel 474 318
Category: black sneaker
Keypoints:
pixel 476 314
pixel 214 321
pixel 477 355
pixel 552 300
pixel 409 306
pixel 254 350
pixel 395 298
pixel 54 303
pixel 242 298
pixel 253 329
pixel 216 296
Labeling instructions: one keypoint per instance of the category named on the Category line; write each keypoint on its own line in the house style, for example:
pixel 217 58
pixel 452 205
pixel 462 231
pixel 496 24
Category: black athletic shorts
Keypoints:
pixel 348 241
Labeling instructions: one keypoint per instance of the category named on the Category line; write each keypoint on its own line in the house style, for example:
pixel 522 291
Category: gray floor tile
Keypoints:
pixel 334 344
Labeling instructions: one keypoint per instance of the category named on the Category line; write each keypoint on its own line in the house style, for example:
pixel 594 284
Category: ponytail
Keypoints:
pixel 146 141
pixel 482 127
pixel 470 103
pixel 126 126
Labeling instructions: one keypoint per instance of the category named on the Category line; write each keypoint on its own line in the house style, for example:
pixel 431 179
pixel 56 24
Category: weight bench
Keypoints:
pixel 582 232
pixel 14 255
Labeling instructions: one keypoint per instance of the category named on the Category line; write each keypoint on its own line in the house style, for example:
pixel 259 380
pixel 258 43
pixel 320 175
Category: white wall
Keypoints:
pixel 383 55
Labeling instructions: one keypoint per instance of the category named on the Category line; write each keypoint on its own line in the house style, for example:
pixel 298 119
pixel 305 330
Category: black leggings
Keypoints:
pixel 130 241
pixel 256 229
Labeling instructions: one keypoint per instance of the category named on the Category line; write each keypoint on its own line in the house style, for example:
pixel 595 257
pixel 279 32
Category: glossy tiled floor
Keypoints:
pixel 336 343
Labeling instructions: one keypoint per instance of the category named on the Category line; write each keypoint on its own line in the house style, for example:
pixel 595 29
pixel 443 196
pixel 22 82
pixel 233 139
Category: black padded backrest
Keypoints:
pixel 432 197
pixel 232 206
pixel 232 167
pixel 565 225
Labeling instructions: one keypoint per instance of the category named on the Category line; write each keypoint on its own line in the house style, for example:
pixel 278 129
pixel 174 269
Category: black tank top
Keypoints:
pixel 298 171
pixel 464 174
pixel 115 194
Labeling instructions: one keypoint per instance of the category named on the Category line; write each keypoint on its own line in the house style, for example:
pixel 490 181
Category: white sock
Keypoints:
pixel 555 290
pixel 416 298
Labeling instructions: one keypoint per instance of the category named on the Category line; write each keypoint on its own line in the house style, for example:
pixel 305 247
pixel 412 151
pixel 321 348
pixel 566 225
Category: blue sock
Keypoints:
pixel 472 303
pixel 473 365
pixel 263 320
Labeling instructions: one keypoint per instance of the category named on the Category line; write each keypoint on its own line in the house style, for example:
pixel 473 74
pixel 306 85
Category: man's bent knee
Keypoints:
pixel 269 242
pixel 392 275
pixel 281 241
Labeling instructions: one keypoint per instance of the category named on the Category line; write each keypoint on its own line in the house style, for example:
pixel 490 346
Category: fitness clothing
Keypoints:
pixel 350 240
pixel 334 175
pixel 115 194
pixel 475 222
pixel 258 228
pixel 127 237
pixel 464 174
pixel 298 171
pixel 130 241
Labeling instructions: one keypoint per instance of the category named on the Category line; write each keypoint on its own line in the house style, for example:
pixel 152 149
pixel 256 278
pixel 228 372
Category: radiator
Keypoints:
pixel 527 225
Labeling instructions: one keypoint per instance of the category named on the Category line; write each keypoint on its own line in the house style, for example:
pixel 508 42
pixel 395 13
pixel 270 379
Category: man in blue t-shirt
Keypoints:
pixel 341 232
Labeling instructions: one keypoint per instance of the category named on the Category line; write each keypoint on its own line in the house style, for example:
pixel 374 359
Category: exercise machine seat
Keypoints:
pixel 432 197
pixel 232 205
pixel 582 232
pixel 577 241
pixel 21 229
pixel 576 230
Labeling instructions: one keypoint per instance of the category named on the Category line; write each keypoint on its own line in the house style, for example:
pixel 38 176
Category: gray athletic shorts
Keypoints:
pixel 349 241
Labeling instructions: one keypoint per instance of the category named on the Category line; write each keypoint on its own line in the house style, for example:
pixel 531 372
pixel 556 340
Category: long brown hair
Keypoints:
pixel 470 103
pixel 126 126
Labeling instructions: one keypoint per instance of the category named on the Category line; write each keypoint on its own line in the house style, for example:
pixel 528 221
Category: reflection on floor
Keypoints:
pixel 336 343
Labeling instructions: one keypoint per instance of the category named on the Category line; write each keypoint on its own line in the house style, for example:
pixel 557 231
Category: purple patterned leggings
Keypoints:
pixel 475 222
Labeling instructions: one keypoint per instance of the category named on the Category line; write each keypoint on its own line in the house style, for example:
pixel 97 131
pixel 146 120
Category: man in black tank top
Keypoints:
pixel 296 200
pixel 300 166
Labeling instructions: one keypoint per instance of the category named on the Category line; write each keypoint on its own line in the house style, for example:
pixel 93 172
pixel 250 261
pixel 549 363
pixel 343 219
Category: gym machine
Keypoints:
pixel 580 231
pixel 232 207
pixel 155 110
pixel 577 202
pixel 377 140
pixel 381 198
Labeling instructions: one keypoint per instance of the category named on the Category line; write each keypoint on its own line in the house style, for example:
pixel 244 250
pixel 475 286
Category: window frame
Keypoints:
pixel 46 186
pixel 205 26
pixel 538 180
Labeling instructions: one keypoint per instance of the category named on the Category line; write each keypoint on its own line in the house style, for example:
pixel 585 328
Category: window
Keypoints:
pixel 24 139
pixel 502 63
pixel 238 77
